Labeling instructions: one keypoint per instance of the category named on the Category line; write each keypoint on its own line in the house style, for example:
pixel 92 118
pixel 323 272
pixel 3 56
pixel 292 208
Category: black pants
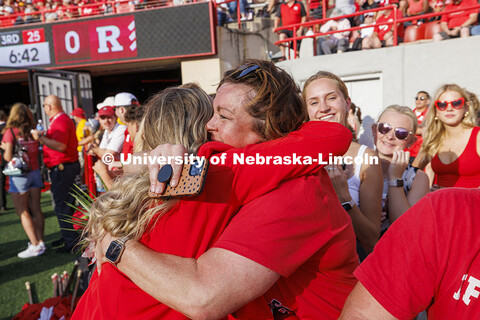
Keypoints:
pixel 62 182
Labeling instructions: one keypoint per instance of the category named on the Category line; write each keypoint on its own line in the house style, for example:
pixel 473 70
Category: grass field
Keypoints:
pixel 14 272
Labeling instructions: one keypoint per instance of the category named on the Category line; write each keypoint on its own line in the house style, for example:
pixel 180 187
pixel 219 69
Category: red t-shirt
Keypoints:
pixel 291 15
pixel 416 146
pixel 456 19
pixel 381 30
pixel 464 172
pixel 303 233
pixel 127 144
pixel 429 258
pixel 31 145
pixel 195 223
pixel 61 129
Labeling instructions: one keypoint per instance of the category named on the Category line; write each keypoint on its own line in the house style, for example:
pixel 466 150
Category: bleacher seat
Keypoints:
pixel 414 33
pixel 431 28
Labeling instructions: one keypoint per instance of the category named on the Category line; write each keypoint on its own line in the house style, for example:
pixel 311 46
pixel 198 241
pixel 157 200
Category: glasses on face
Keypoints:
pixel 400 133
pixel 247 70
pixel 420 98
pixel 456 104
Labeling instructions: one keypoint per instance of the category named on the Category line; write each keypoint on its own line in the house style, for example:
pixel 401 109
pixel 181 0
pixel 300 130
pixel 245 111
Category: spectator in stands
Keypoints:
pixel 232 9
pixel 6 21
pixel 3 163
pixel 451 140
pixel 382 35
pixel 133 117
pixel 370 4
pixel 290 12
pixel 354 120
pixel 427 260
pixel 417 7
pixel 337 42
pixel 49 14
pixel 358 186
pixel 61 157
pixel 316 10
pixel 123 102
pixel 369 19
pixel 422 101
pixel 227 276
pixel 25 189
pixel 476 105
pixel 345 6
pixel 113 137
pixel 457 24
pixel 403 185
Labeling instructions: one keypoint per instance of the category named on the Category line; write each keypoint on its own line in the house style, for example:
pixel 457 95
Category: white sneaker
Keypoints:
pixel 42 245
pixel 31 251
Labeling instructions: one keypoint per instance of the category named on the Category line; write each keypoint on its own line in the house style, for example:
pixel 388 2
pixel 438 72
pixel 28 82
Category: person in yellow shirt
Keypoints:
pixel 80 120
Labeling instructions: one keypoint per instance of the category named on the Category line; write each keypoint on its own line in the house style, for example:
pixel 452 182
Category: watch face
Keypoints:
pixel 113 251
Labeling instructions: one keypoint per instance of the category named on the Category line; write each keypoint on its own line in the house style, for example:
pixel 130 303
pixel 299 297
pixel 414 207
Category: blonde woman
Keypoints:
pixel 25 189
pixel 451 144
pixel 358 187
pixel 403 184
pixel 190 226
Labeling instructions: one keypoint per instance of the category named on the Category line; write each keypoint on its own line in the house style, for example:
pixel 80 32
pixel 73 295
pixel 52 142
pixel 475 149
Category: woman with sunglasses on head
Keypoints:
pixel 403 184
pixel 358 186
pixel 303 228
pixel 451 142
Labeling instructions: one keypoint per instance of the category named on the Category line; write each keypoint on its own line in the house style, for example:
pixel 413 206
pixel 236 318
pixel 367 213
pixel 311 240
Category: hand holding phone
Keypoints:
pixel 191 180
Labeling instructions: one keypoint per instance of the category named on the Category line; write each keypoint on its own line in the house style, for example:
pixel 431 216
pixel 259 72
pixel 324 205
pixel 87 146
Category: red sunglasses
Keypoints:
pixel 457 104
pixel 400 133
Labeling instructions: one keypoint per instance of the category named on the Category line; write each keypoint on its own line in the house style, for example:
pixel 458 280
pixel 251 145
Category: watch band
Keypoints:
pixel 395 183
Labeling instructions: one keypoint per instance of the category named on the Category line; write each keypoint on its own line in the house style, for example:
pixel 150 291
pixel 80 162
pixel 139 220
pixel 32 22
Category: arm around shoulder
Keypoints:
pixel 216 284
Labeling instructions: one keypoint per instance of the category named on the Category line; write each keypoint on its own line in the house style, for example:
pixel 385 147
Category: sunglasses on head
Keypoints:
pixel 247 70
pixel 400 133
pixel 457 104
pixel 420 98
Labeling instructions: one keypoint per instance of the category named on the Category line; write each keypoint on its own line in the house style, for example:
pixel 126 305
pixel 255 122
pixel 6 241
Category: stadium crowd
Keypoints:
pixel 397 236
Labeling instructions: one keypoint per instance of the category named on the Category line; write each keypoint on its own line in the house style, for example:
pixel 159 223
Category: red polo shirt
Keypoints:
pixel 61 129
pixel 127 144
pixel 291 15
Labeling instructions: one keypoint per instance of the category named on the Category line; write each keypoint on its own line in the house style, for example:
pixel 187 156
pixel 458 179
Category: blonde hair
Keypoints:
pixel 176 116
pixel 435 130
pixel 402 110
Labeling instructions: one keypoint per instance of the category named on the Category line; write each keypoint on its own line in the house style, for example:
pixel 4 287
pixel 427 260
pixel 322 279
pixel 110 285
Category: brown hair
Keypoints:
pixel 135 114
pixel 21 118
pixel 277 106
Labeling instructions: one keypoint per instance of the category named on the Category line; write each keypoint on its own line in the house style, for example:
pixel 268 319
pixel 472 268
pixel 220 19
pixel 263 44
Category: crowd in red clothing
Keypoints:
pixel 15 12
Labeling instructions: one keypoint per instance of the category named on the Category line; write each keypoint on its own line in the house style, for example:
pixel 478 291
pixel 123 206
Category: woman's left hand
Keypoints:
pixel 339 177
pixel 399 163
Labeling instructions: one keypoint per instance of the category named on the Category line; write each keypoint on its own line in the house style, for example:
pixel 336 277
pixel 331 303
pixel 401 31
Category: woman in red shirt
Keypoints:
pixel 25 189
pixel 190 226
pixel 451 142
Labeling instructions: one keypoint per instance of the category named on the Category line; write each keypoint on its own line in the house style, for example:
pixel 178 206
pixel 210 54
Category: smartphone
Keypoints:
pixel 191 181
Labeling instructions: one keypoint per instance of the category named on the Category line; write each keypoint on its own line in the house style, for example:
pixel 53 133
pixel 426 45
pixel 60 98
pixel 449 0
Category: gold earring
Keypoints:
pixel 466 114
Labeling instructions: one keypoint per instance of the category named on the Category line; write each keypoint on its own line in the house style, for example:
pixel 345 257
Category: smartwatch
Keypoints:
pixel 395 183
pixel 348 205
pixel 115 250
